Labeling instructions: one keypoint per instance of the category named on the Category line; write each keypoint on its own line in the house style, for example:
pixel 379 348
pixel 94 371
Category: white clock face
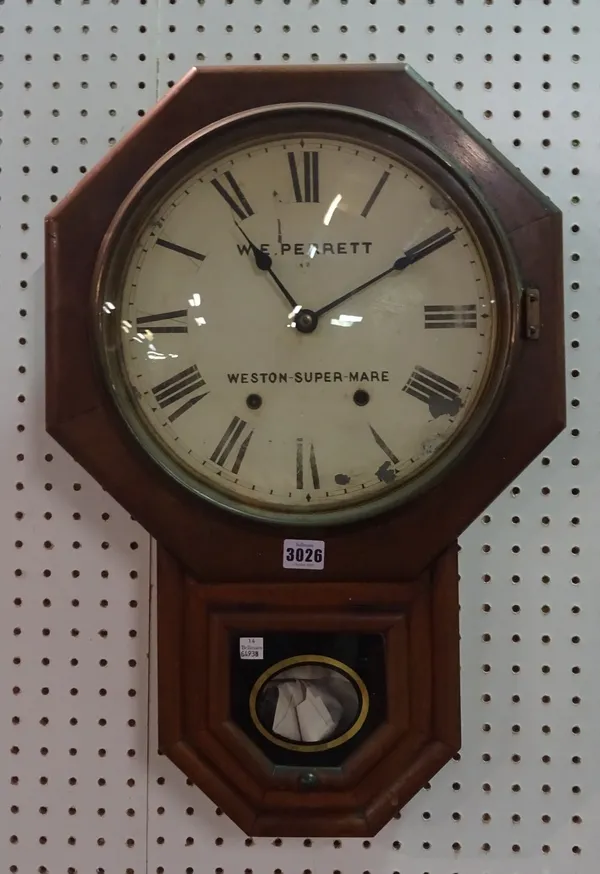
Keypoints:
pixel 252 375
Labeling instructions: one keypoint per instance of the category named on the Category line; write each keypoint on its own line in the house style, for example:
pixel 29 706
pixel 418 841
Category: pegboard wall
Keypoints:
pixel 82 787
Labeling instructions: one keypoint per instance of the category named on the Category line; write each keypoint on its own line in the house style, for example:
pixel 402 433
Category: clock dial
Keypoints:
pixel 302 324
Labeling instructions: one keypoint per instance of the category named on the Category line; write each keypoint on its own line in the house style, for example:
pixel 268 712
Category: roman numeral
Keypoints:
pixel 440 395
pixel 383 445
pixel 182 250
pixel 312 463
pixel 177 387
pixel 375 193
pixel 232 439
pixel 305 178
pixel 235 198
pixel 151 323
pixel 447 316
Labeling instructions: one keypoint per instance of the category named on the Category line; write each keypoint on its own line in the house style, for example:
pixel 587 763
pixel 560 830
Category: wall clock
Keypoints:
pixel 310 328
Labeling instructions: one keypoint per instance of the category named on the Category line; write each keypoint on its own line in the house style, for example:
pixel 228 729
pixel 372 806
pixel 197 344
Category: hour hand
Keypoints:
pixel 263 259
pixel 264 262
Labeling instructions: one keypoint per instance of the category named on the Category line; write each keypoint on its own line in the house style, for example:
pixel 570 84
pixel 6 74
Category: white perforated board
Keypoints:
pixel 83 789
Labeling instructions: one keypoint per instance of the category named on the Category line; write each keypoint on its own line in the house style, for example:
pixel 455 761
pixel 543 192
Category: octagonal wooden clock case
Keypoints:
pixel 305 324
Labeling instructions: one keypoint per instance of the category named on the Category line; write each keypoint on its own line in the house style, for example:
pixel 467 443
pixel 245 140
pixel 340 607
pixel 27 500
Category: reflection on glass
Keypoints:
pixel 308 703
pixel 292 323
pixel 332 208
pixel 147 337
pixel 344 321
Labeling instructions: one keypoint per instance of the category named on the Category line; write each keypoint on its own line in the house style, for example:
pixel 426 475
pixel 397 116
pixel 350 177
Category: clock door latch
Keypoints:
pixel 531 313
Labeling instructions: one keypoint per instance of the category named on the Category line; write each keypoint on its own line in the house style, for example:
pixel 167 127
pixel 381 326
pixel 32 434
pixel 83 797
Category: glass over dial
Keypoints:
pixel 301 324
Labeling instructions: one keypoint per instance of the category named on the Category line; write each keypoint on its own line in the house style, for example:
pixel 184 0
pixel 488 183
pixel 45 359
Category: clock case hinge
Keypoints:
pixel 531 313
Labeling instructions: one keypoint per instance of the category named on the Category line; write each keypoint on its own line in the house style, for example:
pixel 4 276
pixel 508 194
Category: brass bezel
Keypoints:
pixel 311 660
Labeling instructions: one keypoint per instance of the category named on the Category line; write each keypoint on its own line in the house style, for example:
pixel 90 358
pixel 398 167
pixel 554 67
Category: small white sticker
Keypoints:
pixel 251 647
pixel 305 554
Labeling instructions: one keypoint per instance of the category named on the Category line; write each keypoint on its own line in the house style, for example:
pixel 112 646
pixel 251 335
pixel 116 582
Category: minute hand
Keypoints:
pixel 411 256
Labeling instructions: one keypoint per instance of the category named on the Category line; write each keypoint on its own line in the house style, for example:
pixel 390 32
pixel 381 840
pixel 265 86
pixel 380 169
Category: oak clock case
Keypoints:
pixel 313 382
pixel 345 222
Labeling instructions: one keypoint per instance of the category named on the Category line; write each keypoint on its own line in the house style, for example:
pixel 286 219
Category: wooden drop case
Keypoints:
pixel 380 623
pixel 411 674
